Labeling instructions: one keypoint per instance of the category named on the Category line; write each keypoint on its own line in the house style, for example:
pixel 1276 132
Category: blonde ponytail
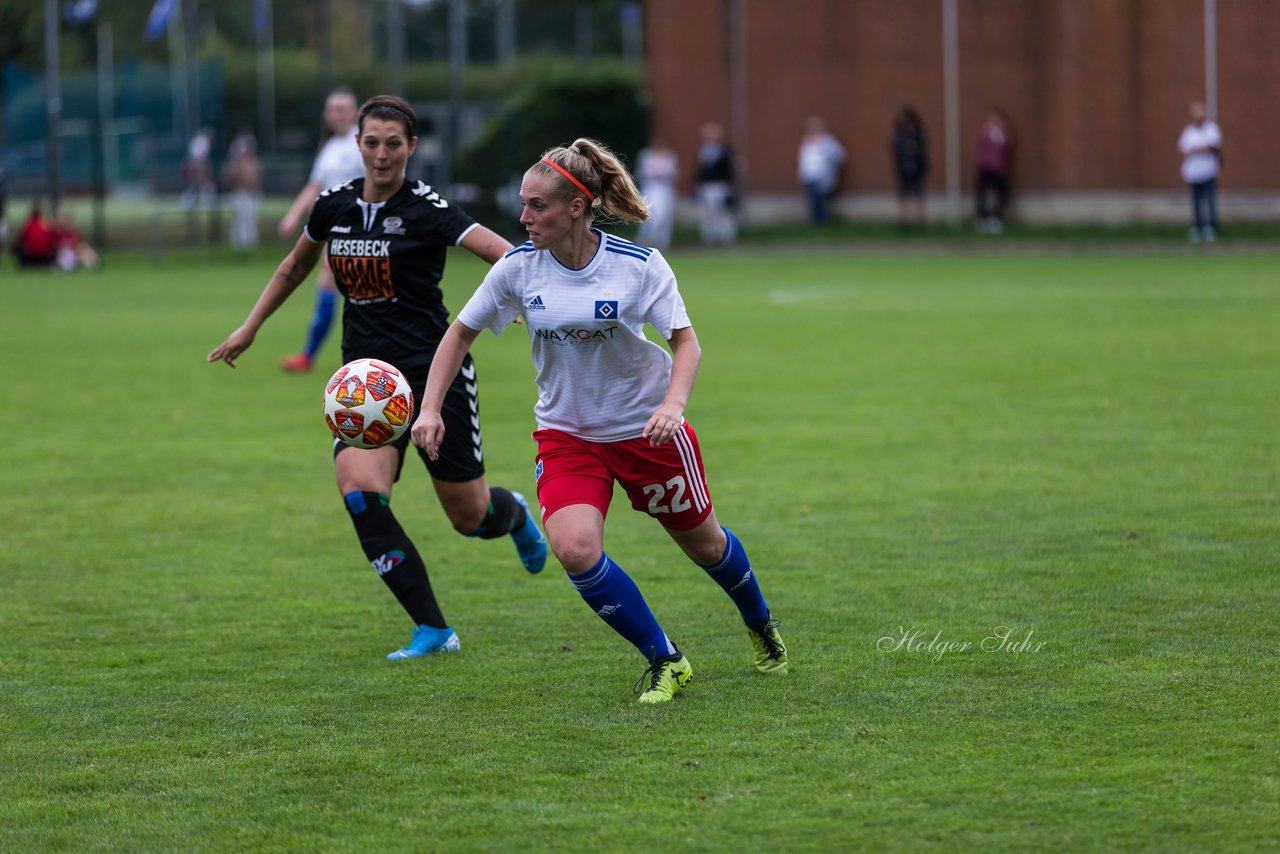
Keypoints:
pixel 596 173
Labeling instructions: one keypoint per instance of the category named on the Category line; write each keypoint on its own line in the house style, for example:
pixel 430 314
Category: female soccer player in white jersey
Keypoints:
pixel 610 402
pixel 387 239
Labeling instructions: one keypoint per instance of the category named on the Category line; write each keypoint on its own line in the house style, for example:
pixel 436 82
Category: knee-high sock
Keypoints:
pixel 393 556
pixel 734 574
pixel 505 515
pixel 611 593
pixel 321 320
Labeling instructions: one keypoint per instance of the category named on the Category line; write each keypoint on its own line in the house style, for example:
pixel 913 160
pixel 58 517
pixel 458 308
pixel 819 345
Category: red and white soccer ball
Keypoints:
pixel 368 403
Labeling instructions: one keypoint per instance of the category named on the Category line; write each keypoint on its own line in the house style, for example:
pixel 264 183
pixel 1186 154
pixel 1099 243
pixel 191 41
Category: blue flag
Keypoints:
pixel 80 11
pixel 158 20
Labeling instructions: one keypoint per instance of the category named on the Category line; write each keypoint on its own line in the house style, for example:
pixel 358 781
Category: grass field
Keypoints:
pixel 916 451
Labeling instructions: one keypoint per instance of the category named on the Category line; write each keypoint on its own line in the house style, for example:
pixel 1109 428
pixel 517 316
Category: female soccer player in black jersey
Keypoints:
pixel 387 239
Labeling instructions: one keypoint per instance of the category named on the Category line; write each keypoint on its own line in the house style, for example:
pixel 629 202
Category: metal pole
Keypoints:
pixel 324 21
pixel 53 103
pixel 177 64
pixel 267 79
pixel 505 32
pixel 395 46
pixel 631 19
pixel 951 106
pixel 191 32
pixel 1211 58
pixel 738 96
pixel 582 31
pixel 457 92
pixel 105 167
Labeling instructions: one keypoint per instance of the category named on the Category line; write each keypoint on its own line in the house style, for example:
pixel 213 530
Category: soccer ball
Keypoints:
pixel 368 403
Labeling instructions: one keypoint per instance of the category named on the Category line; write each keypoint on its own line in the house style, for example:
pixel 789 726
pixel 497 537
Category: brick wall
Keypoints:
pixel 1097 89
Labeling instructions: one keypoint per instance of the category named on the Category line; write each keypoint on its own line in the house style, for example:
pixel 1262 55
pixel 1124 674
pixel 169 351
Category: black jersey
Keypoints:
pixel 387 260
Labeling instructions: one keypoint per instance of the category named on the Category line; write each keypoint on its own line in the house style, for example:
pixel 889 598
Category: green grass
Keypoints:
pixel 1083 449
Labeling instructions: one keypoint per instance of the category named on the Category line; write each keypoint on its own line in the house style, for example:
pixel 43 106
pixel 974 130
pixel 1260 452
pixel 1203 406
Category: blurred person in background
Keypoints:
pixel 197 171
pixel 242 178
pixel 658 168
pixel 337 162
pixel 713 184
pixel 993 156
pixel 908 145
pixel 36 242
pixel 818 164
pixel 388 239
pixel 1201 147
pixel 74 252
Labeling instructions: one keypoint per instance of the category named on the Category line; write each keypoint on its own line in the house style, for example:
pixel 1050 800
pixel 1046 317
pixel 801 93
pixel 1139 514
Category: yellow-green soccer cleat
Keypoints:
pixel 664 678
pixel 771 654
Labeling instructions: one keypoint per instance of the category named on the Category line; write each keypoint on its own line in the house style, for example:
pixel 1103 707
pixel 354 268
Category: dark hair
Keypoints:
pixel 602 173
pixel 389 108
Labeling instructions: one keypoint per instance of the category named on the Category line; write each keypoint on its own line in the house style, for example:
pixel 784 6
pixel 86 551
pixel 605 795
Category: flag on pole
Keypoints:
pixel 158 20
pixel 80 11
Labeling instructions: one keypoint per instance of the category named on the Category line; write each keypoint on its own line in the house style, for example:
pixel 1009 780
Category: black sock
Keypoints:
pixel 505 515
pixel 393 556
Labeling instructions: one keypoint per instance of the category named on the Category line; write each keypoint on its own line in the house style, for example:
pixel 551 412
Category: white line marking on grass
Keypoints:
pixel 812 293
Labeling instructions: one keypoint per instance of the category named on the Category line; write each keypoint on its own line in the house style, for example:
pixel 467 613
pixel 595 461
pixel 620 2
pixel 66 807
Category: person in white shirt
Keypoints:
pixel 337 162
pixel 818 167
pixel 1201 147
pixel 658 169
pixel 610 401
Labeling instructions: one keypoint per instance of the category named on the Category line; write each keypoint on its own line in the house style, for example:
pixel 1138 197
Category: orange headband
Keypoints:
pixel 565 172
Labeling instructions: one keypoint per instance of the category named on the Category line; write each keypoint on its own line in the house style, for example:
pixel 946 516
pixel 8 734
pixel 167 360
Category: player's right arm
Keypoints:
pixel 428 429
pixel 293 270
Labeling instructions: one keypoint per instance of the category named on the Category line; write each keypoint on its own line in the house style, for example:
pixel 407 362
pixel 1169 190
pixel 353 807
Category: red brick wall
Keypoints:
pixel 1097 89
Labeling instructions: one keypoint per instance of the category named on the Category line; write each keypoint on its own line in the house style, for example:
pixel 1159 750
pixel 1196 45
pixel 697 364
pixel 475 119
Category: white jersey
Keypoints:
pixel 1199 166
pixel 599 377
pixel 337 162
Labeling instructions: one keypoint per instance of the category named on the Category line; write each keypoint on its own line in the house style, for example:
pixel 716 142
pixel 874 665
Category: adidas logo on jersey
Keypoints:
pixel 536 304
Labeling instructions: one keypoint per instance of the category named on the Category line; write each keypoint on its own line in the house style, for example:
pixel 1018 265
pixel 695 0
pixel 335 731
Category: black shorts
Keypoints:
pixel 461 456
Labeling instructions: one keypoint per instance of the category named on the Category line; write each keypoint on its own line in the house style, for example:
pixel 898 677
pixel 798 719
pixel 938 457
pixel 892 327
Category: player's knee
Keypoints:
pixel 576 554
pixel 465 518
pixel 705 554
pixel 705 545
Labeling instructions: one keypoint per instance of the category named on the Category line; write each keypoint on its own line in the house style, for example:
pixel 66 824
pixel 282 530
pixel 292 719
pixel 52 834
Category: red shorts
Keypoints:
pixel 667 482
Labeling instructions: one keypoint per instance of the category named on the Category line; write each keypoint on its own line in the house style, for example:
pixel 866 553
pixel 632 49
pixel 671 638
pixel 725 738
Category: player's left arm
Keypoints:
pixel 686 355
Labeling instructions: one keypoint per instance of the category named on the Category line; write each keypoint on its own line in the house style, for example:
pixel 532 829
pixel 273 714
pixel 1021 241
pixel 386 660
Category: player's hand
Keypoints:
pixel 288 226
pixel 663 424
pixel 236 343
pixel 428 432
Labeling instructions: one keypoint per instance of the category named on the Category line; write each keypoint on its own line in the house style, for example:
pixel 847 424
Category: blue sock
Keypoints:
pixel 734 574
pixel 615 598
pixel 321 320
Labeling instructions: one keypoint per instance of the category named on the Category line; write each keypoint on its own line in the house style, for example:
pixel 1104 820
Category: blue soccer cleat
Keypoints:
pixel 427 640
pixel 530 544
